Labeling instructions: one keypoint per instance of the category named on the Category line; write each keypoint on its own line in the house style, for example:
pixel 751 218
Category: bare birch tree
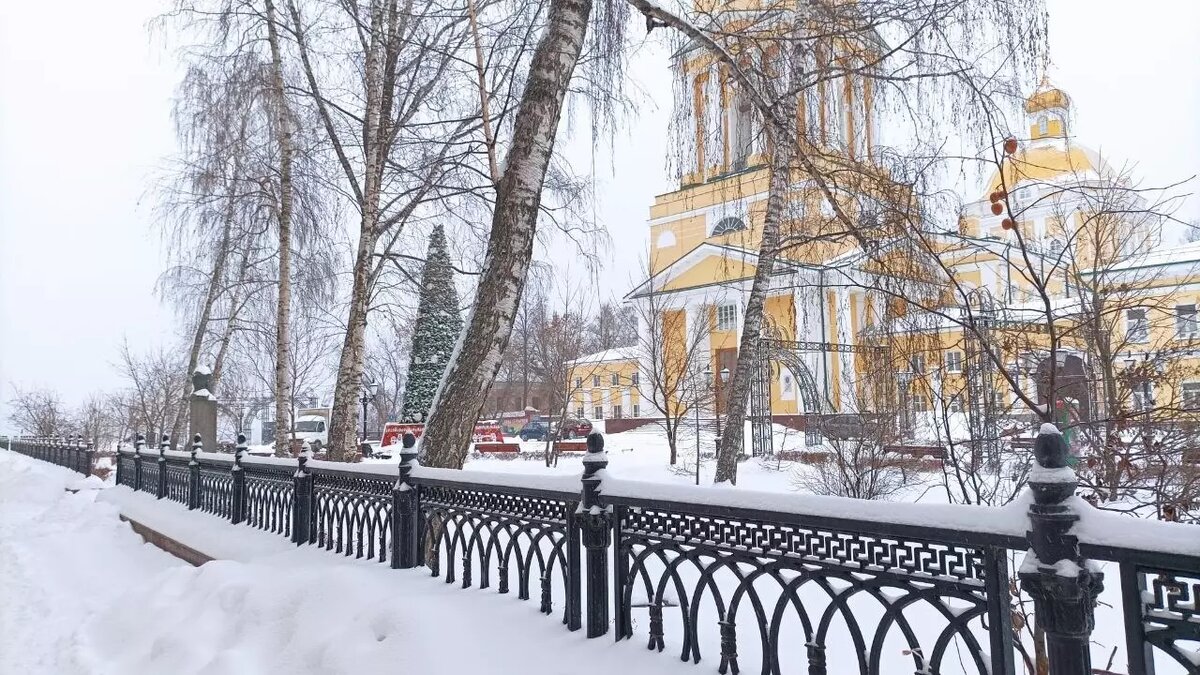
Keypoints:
pixel 518 196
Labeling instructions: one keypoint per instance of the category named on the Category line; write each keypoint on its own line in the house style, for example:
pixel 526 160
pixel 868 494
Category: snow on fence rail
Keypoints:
pixel 753 581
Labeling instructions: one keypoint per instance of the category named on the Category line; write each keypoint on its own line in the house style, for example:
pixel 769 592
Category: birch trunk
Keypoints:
pixel 345 393
pixel 477 357
pixel 283 406
pixel 739 388
pixel 215 280
pixel 375 144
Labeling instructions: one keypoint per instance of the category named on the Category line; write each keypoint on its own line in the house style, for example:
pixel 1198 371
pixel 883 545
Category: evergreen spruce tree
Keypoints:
pixel 436 331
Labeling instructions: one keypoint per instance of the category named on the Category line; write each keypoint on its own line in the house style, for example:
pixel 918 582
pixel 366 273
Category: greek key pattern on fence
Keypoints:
pixel 353 513
pixel 1166 612
pixel 270 493
pixel 845 549
pixel 467 531
pixel 780 594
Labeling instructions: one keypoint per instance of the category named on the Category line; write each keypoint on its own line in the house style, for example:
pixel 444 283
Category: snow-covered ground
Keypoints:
pixel 81 593
pixel 643 454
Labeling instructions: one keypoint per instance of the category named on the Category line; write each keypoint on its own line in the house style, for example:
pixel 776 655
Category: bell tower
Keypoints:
pixel 1048 111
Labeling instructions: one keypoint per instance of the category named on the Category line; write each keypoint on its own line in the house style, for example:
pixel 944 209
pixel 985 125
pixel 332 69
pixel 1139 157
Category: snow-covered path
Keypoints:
pixel 81 593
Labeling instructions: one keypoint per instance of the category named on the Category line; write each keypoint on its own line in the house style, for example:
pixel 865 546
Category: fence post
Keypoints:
pixel 194 474
pixel 138 444
pixel 404 508
pixel 89 455
pixel 120 473
pixel 237 505
pixel 1063 585
pixel 302 500
pixel 161 489
pixel 594 519
pixel 78 454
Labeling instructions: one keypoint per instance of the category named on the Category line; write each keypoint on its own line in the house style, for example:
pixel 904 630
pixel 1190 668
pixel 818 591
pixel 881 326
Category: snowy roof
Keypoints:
pixel 1160 257
pixel 617 354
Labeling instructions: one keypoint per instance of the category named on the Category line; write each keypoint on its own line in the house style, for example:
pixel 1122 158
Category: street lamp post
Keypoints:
pixel 369 389
pixel 905 380
pixel 703 387
pixel 717 413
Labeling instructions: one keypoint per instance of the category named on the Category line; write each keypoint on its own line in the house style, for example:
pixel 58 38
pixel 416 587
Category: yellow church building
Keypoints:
pixel 837 342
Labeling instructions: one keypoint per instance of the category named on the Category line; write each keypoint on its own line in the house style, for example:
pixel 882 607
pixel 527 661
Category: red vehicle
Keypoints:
pixel 573 428
pixel 485 432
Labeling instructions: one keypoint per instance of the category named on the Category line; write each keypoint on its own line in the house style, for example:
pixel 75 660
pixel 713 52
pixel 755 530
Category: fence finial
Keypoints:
pixel 1064 586
pixel 197 445
pixel 164 445
pixel 239 452
pixel 139 442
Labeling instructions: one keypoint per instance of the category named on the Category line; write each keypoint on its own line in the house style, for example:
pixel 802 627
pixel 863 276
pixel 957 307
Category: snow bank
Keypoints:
pixel 213 536
pixel 83 595
pixel 63 558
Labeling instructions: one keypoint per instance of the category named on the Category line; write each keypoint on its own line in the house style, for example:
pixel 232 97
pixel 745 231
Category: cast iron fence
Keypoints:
pixel 72 452
pixel 754 582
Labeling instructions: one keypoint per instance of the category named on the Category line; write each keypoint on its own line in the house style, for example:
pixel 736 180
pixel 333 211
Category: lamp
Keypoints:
pixel 369 390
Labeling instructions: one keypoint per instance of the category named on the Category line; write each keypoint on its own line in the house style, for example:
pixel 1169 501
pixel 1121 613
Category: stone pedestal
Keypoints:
pixel 202 410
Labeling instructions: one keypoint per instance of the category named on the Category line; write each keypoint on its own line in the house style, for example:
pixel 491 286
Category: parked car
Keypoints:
pixel 538 429
pixel 575 428
pixel 535 430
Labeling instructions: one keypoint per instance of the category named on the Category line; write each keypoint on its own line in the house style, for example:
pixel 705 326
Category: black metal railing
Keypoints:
pixel 71 452
pixel 784 586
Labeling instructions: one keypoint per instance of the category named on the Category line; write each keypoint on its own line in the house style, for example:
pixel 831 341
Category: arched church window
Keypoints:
pixel 665 240
pixel 727 225
pixel 1056 246
pixel 1043 125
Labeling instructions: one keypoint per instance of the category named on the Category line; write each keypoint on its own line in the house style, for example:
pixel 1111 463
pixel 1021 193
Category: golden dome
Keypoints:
pixel 1047 96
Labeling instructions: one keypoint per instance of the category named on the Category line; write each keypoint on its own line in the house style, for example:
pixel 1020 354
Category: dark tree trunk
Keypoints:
pixel 467 381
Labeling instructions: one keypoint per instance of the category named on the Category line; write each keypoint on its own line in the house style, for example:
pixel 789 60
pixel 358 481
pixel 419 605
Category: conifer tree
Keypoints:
pixel 436 331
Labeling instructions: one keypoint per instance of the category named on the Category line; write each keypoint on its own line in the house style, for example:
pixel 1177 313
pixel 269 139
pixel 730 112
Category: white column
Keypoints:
pixel 848 399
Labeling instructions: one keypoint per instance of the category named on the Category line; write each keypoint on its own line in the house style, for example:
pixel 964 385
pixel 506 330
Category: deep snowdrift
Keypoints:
pixel 80 593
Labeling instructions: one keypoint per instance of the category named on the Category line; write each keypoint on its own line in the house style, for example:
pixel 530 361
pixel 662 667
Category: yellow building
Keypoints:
pixel 829 307
pixel 606 385
pixel 1116 295
pixel 705 238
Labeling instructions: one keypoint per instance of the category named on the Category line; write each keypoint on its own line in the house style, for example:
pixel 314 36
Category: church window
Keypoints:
pixel 1186 325
pixel 1043 125
pixel 727 225
pixel 665 240
pixel 726 317
pixel 1137 326
pixel 954 362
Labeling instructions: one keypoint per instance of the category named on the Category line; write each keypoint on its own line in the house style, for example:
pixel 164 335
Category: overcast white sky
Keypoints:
pixel 84 122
